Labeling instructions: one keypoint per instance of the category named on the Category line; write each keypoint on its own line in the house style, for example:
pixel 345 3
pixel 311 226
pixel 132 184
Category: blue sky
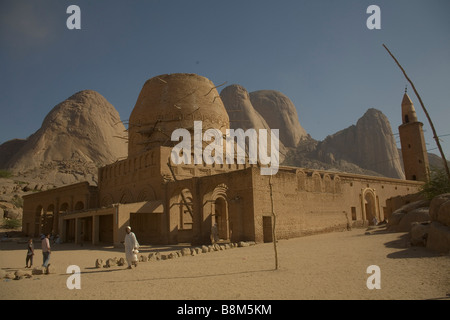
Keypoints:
pixel 318 53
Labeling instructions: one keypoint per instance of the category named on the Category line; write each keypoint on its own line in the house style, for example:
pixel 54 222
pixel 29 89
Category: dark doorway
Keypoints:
pixel 267 229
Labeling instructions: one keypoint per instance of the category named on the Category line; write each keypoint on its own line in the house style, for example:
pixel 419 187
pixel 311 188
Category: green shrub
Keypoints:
pixel 5 174
pixel 437 184
pixel 12 223
pixel 17 201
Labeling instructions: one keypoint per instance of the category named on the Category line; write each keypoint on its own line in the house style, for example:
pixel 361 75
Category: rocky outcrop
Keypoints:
pixel 240 110
pixel 401 219
pixel 440 209
pixel 9 149
pixel 419 233
pixel 369 144
pixel 365 148
pixel 78 135
pixel 434 233
pixel 243 115
pixel 279 113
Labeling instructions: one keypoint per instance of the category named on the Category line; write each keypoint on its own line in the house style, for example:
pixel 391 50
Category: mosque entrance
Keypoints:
pixel 370 208
pixel 221 218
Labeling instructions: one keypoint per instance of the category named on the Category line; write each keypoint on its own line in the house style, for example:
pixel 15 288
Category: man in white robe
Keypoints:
pixel 131 247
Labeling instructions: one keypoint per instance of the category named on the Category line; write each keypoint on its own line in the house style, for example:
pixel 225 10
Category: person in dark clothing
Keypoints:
pixel 30 253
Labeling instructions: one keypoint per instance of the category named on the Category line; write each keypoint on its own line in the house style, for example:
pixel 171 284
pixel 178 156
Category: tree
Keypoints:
pixel 438 183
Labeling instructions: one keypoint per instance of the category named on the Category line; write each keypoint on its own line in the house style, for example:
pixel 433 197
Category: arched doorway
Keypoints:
pixel 221 218
pixel 370 206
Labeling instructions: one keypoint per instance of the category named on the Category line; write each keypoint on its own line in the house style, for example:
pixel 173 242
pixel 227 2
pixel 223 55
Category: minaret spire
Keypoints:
pixel 408 111
pixel 414 151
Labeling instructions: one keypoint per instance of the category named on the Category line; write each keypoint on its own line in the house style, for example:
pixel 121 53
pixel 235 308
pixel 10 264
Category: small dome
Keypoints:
pixel 171 101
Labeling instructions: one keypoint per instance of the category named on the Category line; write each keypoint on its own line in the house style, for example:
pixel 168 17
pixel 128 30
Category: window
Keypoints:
pixel 353 213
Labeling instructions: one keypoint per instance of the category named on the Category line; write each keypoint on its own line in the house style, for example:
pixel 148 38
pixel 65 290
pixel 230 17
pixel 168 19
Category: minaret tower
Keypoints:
pixel 414 151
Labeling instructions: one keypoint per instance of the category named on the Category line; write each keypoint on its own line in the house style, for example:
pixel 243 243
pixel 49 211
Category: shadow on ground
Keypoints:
pixel 407 250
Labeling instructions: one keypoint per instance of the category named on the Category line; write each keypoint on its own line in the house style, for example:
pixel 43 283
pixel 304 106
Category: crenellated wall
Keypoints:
pixel 310 201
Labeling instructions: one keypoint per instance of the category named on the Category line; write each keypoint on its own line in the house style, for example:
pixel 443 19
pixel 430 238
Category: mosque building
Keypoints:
pixel 169 203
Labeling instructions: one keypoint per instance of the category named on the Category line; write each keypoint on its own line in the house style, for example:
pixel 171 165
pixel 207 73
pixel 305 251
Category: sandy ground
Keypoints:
pixel 326 266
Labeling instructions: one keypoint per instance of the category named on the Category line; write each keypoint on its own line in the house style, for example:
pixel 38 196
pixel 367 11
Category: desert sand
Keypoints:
pixel 324 266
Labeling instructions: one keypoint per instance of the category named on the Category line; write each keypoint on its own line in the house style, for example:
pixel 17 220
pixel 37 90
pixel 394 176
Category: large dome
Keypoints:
pixel 171 101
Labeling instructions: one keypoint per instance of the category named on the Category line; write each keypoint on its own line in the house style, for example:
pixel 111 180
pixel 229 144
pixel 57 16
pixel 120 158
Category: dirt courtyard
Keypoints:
pixel 325 266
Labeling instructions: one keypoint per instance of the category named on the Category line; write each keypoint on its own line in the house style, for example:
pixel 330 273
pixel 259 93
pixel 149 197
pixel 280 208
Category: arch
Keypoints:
pixel 107 201
pixel 79 206
pixel 64 207
pixel 221 217
pixel 126 197
pixel 220 214
pixel 316 182
pixel 337 184
pixel 146 194
pixel 301 180
pixel 328 184
pixel 220 190
pixel 369 205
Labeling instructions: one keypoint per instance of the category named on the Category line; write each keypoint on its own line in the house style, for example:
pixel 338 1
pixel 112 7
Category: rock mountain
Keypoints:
pixel 370 144
pixel 365 148
pixel 279 112
pixel 77 136
pixel 85 132
pixel 243 115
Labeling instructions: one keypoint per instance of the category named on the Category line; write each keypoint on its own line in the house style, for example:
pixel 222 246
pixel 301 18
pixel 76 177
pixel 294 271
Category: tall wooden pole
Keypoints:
pixel 435 136
pixel 274 216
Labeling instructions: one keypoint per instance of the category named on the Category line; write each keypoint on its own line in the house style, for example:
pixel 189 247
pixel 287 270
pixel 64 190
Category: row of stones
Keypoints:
pixel 21 274
pixel 156 256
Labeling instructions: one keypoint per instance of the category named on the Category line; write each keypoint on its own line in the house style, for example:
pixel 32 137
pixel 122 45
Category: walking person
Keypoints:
pixel 46 250
pixel 131 248
pixel 30 253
